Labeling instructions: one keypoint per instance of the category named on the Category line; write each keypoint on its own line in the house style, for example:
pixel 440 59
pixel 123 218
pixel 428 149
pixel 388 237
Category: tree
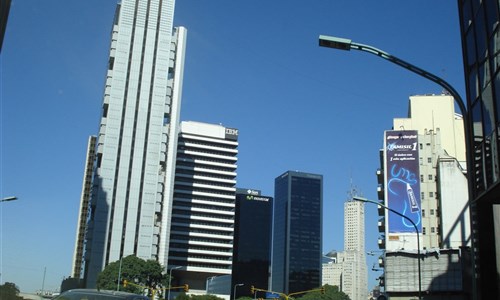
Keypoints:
pixel 139 273
pixel 9 291
pixel 331 293
pixel 183 296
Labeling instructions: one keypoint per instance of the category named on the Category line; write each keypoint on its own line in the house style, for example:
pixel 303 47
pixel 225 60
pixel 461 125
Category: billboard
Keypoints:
pixel 402 180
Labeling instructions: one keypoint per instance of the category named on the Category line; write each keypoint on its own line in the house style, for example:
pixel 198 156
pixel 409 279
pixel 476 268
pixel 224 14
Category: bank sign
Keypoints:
pixel 402 180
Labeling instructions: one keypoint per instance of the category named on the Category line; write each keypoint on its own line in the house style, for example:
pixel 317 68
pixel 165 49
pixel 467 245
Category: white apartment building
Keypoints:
pixel 355 275
pixel 348 269
pixel 201 225
pixel 439 208
pixel 138 130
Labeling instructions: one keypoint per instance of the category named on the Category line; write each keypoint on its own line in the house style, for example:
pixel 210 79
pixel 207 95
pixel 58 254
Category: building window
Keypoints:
pixel 423 230
pixel 422 196
pixel 421 146
pixel 429 159
pixel 432 212
pixel 423 213
pixel 430 176
pixel 431 194
pixel 433 229
pixel 421 178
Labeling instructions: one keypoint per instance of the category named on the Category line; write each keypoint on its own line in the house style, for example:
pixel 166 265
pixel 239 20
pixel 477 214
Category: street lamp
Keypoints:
pixel 234 289
pixel 170 280
pixel 12 198
pixel 416 230
pixel 346 44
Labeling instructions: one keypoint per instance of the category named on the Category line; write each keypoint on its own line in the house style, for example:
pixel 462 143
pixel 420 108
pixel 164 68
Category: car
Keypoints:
pixel 92 294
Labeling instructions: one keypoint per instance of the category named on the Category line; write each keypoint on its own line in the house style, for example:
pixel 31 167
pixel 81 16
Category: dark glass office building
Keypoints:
pixel 480 31
pixel 252 242
pixel 297 232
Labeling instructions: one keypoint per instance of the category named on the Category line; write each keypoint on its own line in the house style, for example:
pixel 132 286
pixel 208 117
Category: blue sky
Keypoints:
pixel 253 65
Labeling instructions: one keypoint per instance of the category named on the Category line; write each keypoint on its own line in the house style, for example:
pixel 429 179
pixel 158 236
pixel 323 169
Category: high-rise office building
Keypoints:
pixel 423 178
pixel 480 32
pixel 297 232
pixel 201 223
pixel 347 269
pixel 138 130
pixel 354 273
pixel 252 241
pixel 84 203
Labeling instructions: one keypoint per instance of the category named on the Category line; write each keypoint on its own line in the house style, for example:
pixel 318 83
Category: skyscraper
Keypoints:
pixel 297 232
pixel 480 32
pixel 201 222
pixel 84 211
pixel 138 128
pixel 252 241
pixel 354 273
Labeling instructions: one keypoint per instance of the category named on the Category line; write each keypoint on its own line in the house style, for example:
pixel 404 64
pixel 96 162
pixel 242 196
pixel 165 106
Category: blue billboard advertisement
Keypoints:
pixel 402 180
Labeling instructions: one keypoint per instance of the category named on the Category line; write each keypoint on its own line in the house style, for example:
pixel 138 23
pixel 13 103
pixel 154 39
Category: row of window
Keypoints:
pixel 433 230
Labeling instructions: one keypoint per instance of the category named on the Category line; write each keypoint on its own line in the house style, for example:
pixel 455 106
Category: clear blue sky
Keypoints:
pixel 253 65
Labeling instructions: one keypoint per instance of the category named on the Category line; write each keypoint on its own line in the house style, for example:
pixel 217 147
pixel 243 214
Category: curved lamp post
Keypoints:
pixel 346 44
pixel 234 289
pixel 416 230
pixel 170 280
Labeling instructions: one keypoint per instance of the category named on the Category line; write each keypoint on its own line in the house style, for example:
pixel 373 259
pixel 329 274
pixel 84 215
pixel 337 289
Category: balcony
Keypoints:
pixel 381 242
pixel 381 225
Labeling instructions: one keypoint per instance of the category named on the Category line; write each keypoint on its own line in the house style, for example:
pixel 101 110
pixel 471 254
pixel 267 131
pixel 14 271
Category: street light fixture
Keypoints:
pixel 12 198
pixel 361 199
pixel 170 280
pixel 234 289
pixel 346 44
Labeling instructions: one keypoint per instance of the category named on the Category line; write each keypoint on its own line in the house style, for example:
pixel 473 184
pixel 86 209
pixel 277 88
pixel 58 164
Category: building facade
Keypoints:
pixel 355 274
pixel 480 32
pixel 138 129
pixel 201 221
pixel 423 177
pixel 81 225
pixel 252 242
pixel 332 269
pixel 297 232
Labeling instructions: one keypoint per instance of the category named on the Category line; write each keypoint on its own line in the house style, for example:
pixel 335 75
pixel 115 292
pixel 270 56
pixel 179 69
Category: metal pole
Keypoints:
pixel 416 230
pixel 119 275
pixel 234 289
pixel 170 281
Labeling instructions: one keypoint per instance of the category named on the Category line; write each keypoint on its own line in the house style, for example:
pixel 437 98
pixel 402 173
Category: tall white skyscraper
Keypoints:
pixel 347 269
pixel 354 271
pixel 137 136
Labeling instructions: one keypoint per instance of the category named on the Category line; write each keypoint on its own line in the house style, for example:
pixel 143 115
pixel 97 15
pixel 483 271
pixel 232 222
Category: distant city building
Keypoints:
pixel 355 275
pixel 332 269
pixel 81 225
pixel 347 269
pixel 297 232
pixel 423 178
pixel 480 32
pixel 252 242
pixel 137 138
pixel 201 222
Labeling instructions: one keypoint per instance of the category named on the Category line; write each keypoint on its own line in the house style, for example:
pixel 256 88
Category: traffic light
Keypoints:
pixel 322 290
pixel 125 282
pixel 186 288
pixel 252 290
